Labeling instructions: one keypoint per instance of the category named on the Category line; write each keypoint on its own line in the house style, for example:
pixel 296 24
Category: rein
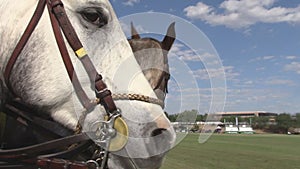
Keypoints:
pixel 34 155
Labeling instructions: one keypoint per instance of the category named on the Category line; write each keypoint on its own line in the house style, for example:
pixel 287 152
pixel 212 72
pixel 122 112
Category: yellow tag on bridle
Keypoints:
pixel 80 53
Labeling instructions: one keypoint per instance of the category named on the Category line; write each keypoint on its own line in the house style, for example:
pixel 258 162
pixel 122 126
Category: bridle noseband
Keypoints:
pixel 61 23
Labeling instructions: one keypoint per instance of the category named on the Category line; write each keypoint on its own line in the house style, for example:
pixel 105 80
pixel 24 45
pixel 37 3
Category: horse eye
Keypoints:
pixel 95 16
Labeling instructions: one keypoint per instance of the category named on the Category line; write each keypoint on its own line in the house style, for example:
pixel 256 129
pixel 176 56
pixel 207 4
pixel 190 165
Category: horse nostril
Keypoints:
pixel 157 132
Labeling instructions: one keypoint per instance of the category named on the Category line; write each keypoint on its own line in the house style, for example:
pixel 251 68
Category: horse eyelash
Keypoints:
pixel 95 16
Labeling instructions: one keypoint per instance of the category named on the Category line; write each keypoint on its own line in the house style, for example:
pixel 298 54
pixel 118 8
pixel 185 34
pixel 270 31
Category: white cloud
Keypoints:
pixel 262 58
pixel 243 99
pixel 260 69
pixel 291 57
pixel 294 66
pixel 131 2
pixel 206 74
pixel 185 54
pixel 178 50
pixel 249 82
pixel 279 81
pixel 127 29
pixel 267 57
pixel 243 13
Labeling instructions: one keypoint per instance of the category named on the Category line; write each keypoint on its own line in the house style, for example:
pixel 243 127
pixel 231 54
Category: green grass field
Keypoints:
pixel 223 151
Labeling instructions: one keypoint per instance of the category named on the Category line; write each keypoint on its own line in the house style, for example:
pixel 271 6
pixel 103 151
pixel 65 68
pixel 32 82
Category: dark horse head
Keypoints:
pixel 152 56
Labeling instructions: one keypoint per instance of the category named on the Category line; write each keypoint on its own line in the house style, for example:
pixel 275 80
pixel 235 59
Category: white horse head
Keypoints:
pixel 40 79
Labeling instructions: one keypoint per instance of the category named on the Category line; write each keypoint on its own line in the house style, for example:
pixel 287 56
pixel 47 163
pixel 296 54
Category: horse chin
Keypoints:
pixel 120 162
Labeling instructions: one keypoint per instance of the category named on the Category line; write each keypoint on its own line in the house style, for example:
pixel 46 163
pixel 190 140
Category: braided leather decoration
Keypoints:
pixel 139 97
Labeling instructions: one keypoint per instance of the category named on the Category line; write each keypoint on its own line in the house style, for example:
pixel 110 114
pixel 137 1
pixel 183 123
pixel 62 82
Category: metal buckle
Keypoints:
pixel 93 162
pixel 104 131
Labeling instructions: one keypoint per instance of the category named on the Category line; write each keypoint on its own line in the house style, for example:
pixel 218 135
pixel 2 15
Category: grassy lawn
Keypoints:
pixel 224 151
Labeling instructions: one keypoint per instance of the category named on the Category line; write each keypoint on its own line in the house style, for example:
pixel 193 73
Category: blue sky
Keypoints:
pixel 257 42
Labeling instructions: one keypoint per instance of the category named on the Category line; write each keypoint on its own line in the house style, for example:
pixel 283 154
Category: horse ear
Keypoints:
pixel 169 38
pixel 134 33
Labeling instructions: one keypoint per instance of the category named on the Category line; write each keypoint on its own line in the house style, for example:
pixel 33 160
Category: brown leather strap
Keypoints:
pixel 32 151
pixel 101 89
pixel 30 157
pixel 46 163
pixel 21 44
pixel 45 127
pixel 65 24
pixel 85 101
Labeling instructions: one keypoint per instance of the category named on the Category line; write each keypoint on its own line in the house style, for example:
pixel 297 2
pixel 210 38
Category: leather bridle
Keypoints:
pixel 32 154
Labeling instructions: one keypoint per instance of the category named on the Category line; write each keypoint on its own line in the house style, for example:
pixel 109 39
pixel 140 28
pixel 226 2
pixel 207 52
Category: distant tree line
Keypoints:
pixel 187 115
pixel 282 123
pixel 279 124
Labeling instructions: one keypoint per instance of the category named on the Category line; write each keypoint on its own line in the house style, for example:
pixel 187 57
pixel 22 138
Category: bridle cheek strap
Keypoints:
pixel 83 98
pixel 59 20
pixel 22 42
